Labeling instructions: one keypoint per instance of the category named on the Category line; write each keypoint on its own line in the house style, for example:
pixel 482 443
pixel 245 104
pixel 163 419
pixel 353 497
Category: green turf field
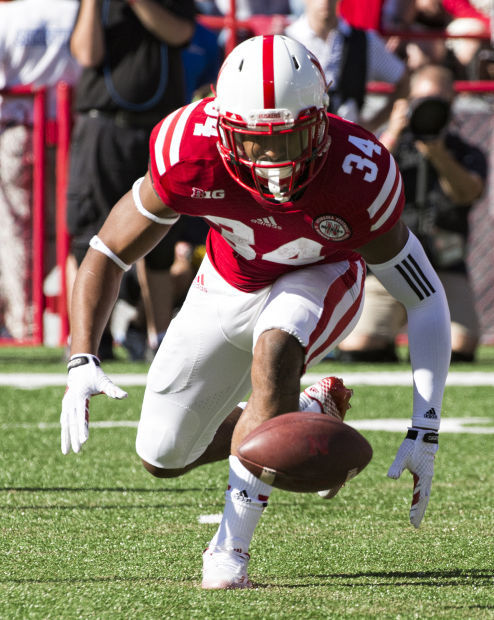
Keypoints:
pixel 94 536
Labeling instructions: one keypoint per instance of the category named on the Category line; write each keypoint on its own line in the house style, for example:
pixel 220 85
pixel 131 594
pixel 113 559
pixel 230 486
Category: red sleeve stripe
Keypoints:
pixel 385 189
pixel 341 304
pixel 169 138
pixel 268 72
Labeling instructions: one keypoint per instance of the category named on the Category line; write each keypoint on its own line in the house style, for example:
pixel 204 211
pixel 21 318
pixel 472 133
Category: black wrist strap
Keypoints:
pixel 81 360
pixel 430 437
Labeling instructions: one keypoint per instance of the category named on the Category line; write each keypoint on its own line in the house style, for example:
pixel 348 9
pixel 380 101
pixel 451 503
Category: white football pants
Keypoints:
pixel 202 368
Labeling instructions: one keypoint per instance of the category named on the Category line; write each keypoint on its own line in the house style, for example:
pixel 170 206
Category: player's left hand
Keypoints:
pixel 416 453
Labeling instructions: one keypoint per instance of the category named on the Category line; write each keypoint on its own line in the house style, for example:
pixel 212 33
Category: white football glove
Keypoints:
pixel 416 453
pixel 85 379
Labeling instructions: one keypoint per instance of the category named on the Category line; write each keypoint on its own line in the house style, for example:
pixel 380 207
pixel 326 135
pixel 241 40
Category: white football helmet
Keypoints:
pixel 271 98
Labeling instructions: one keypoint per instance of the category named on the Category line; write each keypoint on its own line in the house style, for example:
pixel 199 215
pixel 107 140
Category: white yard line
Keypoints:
pixel 30 381
pixel 404 378
pixel 216 518
pixel 477 425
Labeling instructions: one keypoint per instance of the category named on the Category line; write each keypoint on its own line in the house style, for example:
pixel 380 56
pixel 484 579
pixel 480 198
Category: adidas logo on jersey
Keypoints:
pixel 270 222
pixel 199 283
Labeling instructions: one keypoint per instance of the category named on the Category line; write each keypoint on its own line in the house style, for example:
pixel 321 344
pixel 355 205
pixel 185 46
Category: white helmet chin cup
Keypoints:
pixel 274 178
pixel 272 84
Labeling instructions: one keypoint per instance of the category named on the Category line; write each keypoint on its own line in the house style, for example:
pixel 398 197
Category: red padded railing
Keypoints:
pixel 64 117
pixel 461 86
pixel 263 24
pixel 38 208
pixel 60 130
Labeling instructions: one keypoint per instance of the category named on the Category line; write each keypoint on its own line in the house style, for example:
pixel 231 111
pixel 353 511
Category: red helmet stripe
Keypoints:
pixel 268 71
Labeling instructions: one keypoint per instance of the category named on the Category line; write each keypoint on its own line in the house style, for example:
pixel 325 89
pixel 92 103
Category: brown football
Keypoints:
pixel 304 452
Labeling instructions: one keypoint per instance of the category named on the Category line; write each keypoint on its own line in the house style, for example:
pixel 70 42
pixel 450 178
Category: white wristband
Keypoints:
pixel 166 221
pixel 99 246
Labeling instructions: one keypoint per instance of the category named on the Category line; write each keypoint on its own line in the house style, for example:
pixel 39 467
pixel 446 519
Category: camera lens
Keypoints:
pixel 428 117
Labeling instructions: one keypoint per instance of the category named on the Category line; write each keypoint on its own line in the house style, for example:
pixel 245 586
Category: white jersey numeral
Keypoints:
pixel 209 127
pixel 239 235
pixel 206 129
pixel 301 251
pixel 368 147
pixel 353 161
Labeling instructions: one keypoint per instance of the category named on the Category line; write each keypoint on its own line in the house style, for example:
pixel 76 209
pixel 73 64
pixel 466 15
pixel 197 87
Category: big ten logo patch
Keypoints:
pixel 216 194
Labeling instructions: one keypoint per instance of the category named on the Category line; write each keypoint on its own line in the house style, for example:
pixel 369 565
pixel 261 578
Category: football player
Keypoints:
pixel 298 201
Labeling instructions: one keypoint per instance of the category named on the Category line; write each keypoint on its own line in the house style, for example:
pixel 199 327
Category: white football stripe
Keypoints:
pixel 473 425
pixel 448 425
pixel 179 130
pixel 401 378
pixel 385 216
pixel 34 381
pixel 210 518
pixel 385 189
pixel 160 140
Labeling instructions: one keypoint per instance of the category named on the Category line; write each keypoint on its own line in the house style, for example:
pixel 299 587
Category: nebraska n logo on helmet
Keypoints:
pixel 272 120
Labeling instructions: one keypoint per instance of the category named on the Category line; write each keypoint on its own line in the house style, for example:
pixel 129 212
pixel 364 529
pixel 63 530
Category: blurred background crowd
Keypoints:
pixel 417 73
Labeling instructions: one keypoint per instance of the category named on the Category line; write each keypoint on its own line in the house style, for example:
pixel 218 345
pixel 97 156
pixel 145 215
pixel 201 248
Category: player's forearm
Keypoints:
pixel 429 341
pixel 95 292
pixel 164 24
pixel 87 40
pixel 410 278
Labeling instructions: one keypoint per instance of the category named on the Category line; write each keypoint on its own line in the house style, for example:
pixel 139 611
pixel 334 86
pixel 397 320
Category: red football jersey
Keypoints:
pixel 356 197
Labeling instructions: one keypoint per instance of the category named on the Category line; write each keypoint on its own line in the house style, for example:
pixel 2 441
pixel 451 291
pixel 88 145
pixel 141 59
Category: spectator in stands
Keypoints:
pixel 350 58
pixel 366 15
pixel 264 17
pixel 442 175
pixel 202 59
pixel 454 17
pixel 33 51
pixel 132 78
pixel 247 8
pixel 206 7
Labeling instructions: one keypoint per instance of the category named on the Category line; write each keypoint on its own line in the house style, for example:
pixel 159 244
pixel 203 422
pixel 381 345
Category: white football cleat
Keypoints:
pixel 331 395
pixel 225 569
pixel 334 399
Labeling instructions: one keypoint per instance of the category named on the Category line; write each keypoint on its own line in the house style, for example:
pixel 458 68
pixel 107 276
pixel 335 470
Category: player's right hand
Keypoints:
pixel 85 379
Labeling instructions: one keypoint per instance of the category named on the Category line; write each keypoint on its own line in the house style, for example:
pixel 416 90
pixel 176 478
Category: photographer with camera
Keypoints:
pixel 443 175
